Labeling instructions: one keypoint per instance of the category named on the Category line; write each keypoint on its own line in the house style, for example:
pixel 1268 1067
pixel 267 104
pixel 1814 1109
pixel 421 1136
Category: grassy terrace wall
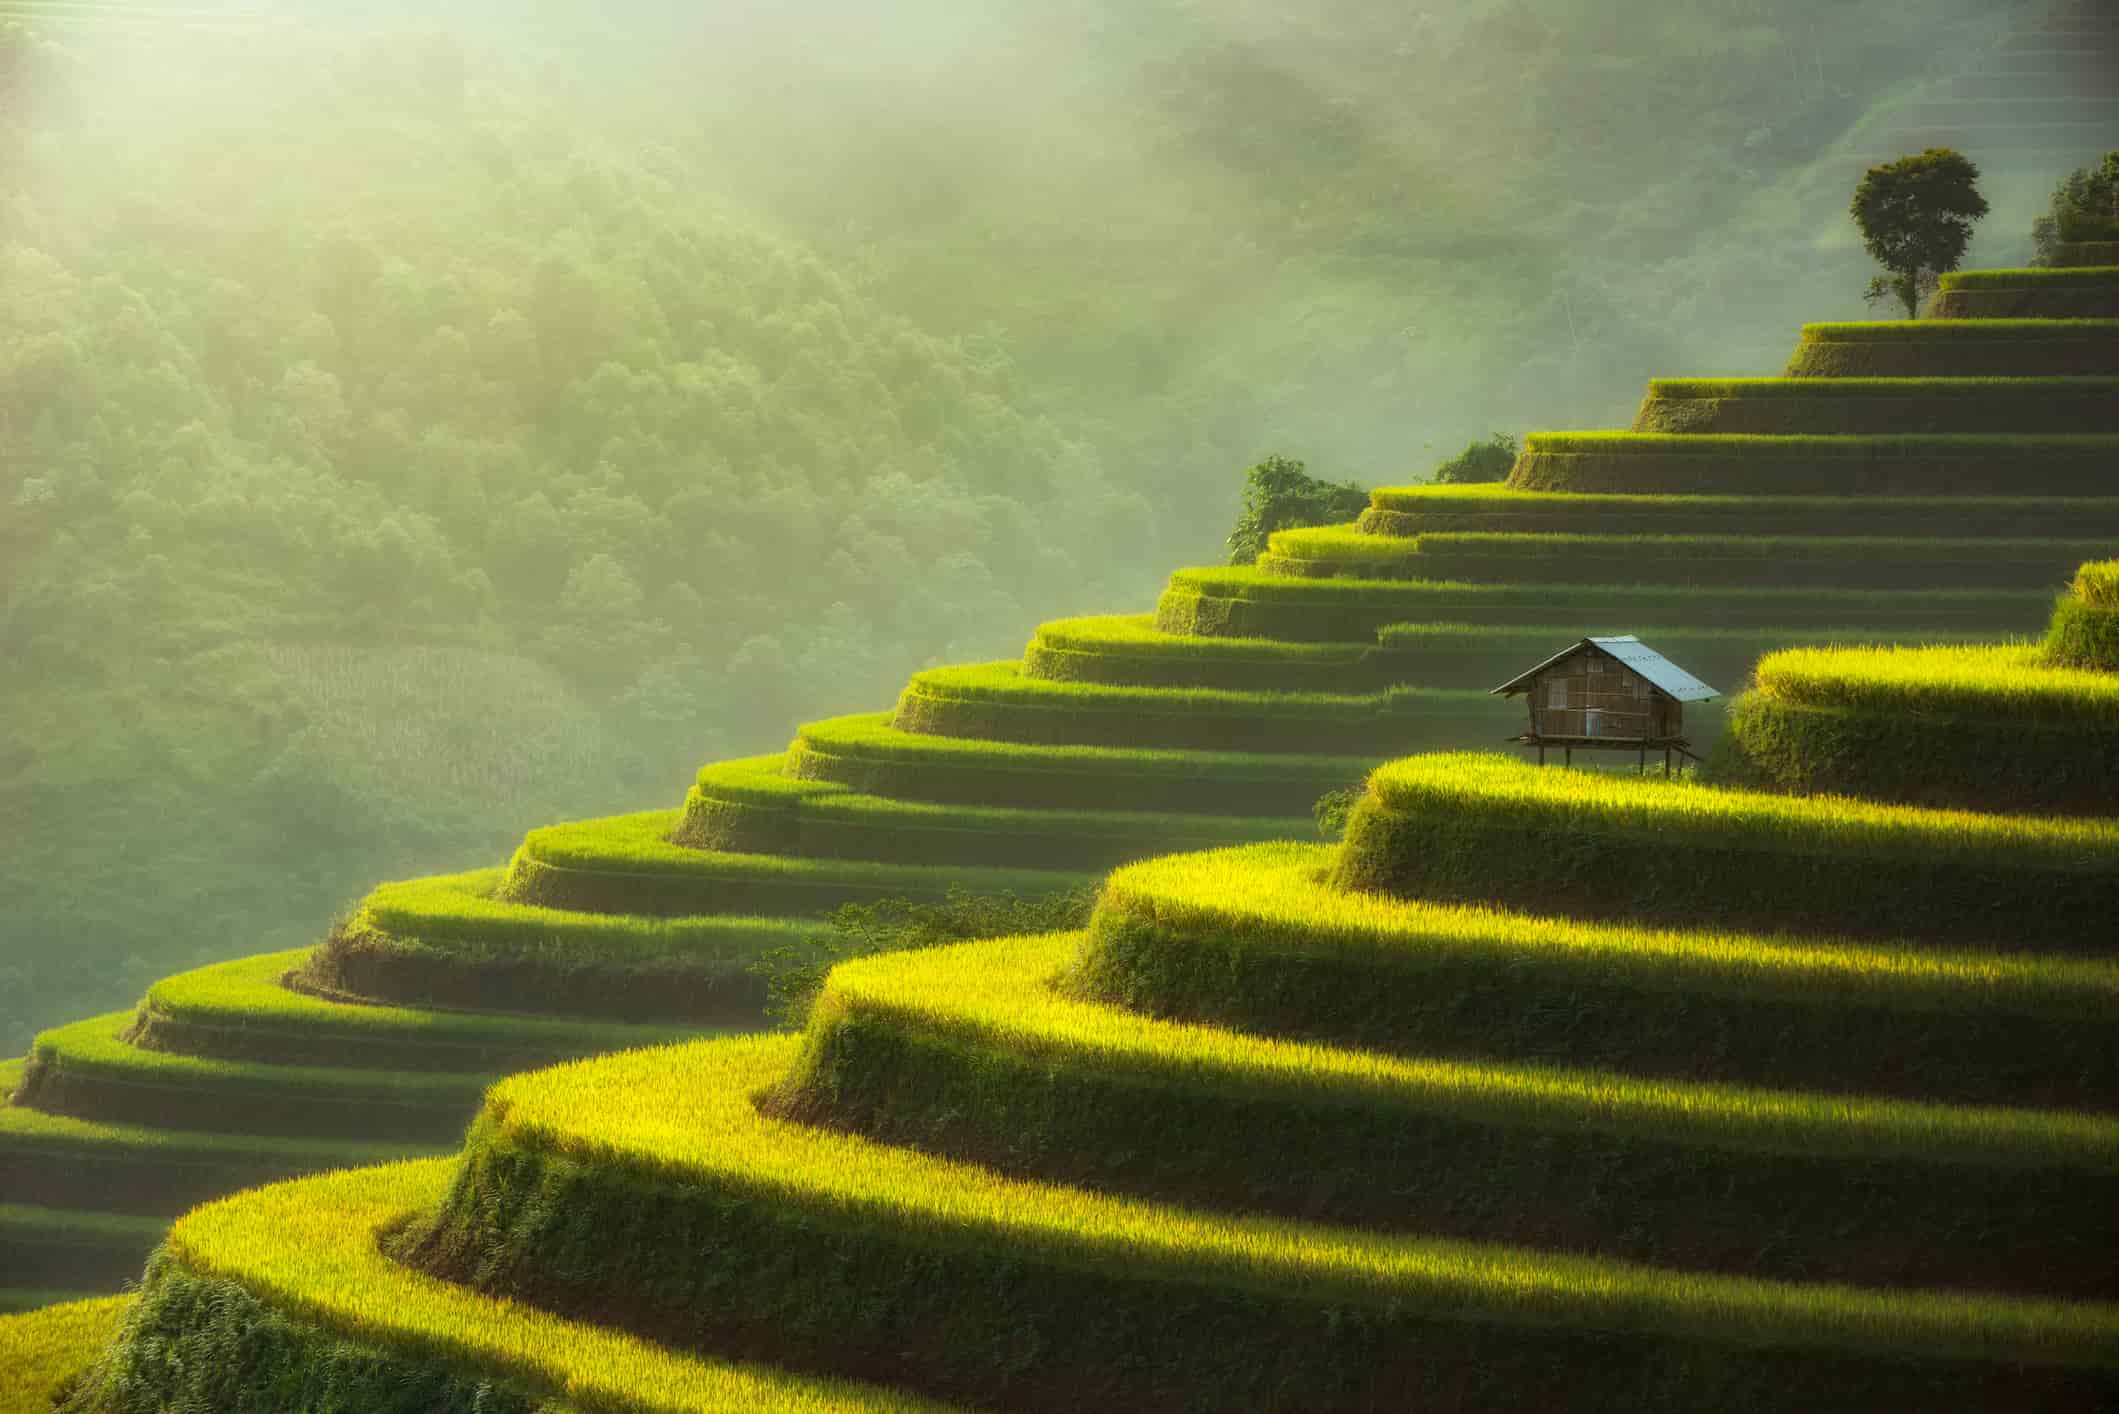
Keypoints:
pixel 1929 406
pixel 1494 829
pixel 1966 465
pixel 2082 293
pixel 1958 348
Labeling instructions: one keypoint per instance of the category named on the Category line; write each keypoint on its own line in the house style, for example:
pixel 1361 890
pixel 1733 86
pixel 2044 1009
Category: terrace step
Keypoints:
pixel 1992 465
pixel 301 1264
pixel 997 702
pixel 1127 650
pixel 1493 509
pixel 241 1011
pixel 1254 938
pixel 59 1160
pixel 87 1070
pixel 866 754
pixel 753 806
pixel 1523 557
pixel 1961 348
pixel 1930 406
pixel 826 1251
pixel 1496 830
pixel 1242 602
pixel 968 1052
pixel 449 941
pixel 627 864
pixel 49 1343
pixel 44 1247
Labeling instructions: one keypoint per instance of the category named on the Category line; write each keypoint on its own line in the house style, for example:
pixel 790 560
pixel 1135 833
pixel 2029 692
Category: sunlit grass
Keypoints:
pixel 638 845
pixel 1004 684
pixel 757 784
pixel 310 1251
pixel 247 996
pixel 458 914
pixel 872 737
pixel 994 995
pixel 2097 584
pixel 1135 635
pixel 1274 899
pixel 684 1116
pixel 40 1349
pixel 1693 817
pixel 1992 680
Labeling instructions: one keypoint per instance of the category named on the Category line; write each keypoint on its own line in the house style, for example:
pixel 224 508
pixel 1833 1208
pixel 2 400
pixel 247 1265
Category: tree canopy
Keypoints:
pixel 1916 218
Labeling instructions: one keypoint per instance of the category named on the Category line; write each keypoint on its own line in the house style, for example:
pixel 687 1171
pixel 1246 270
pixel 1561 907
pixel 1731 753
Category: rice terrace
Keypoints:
pixel 1622 919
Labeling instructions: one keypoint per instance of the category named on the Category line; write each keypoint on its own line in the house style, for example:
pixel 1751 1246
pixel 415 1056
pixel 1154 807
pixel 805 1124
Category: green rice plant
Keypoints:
pixel 90 1250
pixel 1255 939
pixel 87 1070
pixel 242 1010
pixel 1599 845
pixel 450 941
pixel 1128 650
pixel 2098 584
pixel 728 809
pixel 2085 628
pixel 1246 603
pixel 1985 680
pixel 41 1350
pixel 2083 277
pixel 1910 465
pixel 966 1051
pixel 830 1251
pixel 868 755
pixel 996 702
pixel 1957 348
pixel 626 863
pixel 287 1290
pixel 1406 511
pixel 1976 726
pixel 58 1159
pixel 1848 561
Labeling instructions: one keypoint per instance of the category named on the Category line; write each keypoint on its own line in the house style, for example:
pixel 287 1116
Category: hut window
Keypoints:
pixel 1556 694
pixel 1592 724
pixel 1596 664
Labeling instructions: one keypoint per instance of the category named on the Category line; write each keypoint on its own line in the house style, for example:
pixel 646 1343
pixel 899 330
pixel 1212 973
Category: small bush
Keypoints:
pixel 2084 210
pixel 1279 493
pixel 1489 460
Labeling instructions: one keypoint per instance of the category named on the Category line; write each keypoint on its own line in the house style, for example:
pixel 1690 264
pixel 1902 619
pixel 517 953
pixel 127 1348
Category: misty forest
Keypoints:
pixel 1161 706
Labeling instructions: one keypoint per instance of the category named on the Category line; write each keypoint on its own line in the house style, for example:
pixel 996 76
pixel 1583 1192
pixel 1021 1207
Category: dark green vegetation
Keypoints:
pixel 445 423
pixel 2084 211
pixel 1915 216
pixel 1277 494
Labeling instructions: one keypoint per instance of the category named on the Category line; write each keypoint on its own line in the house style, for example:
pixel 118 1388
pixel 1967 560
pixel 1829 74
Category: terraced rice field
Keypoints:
pixel 1501 1105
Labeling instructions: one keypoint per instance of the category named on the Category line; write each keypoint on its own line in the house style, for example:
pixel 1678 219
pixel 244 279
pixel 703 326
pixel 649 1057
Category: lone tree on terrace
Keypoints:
pixel 1916 218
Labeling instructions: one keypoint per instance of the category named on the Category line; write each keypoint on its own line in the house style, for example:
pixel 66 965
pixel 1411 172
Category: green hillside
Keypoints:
pixel 1866 1035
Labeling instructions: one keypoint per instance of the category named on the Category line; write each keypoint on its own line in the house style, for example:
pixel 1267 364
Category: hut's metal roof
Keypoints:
pixel 1636 655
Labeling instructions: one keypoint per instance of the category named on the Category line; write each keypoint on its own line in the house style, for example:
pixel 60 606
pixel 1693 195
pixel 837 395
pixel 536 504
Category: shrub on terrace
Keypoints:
pixel 1279 494
pixel 1490 460
pixel 2085 207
